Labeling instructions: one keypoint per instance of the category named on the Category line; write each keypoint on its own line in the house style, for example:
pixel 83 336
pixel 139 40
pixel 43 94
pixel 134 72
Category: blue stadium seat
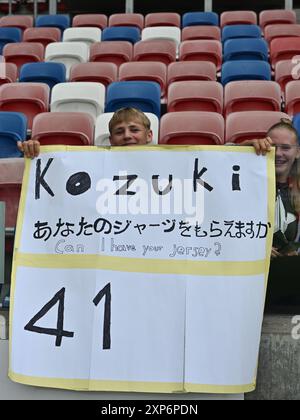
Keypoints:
pixel 57 21
pixel 245 70
pixel 121 33
pixel 13 128
pixel 240 31
pixel 50 73
pixel 245 49
pixel 8 35
pixel 200 18
pixel 296 124
pixel 142 95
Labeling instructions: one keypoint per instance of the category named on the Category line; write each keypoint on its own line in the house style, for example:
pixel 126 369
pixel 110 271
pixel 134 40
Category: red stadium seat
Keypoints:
pixel 139 70
pixel 70 128
pixel 117 52
pixel 126 19
pixel 8 73
pixel 155 50
pixel 201 50
pixel 281 31
pixel 292 97
pixel 201 32
pixel 21 53
pixel 249 125
pixel 284 49
pixel 18 21
pixel 271 17
pixel 28 98
pixel 42 35
pixel 162 19
pixel 191 70
pixel 11 175
pixel 104 73
pixel 88 20
pixel 252 95
pixel 194 95
pixel 192 127
pixel 285 71
pixel 238 17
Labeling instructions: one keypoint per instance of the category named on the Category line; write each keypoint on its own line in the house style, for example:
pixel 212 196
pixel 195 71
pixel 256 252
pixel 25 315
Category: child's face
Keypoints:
pixel 130 133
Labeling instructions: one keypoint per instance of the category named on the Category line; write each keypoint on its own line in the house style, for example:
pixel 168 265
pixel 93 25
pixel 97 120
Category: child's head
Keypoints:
pixel 129 127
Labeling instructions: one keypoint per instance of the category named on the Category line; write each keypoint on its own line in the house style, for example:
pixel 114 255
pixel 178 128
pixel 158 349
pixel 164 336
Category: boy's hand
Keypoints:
pixel 30 148
pixel 261 146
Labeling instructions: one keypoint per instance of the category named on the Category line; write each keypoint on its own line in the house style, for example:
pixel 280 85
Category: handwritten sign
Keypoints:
pixel 142 268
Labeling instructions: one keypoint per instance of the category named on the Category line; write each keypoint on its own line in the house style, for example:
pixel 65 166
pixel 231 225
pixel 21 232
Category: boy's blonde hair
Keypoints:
pixel 129 114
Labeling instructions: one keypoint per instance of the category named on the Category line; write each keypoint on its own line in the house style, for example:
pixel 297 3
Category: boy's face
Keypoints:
pixel 130 133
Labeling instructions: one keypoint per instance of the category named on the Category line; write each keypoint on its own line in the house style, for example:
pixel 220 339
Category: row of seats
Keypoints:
pixel 266 17
pixel 189 95
pixel 187 127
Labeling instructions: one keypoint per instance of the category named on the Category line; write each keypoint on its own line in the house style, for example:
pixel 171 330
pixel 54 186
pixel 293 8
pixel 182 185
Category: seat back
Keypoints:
pixel 245 70
pixel 284 49
pixel 69 128
pixel 9 35
pixel 292 97
pixel 155 50
pixel 281 16
pixel 104 73
pixel 102 128
pixel 42 35
pixel 201 32
pixel 240 31
pixel 88 97
pixel 116 52
pixel 49 73
pixel 126 19
pixel 57 21
pixel 18 21
pixel 141 95
pixel 162 19
pixel 11 175
pixel 87 35
pixel 249 125
pixel 281 31
pixel 245 49
pixel 201 50
pixel 94 20
pixel 285 71
pixel 200 18
pixel 27 98
pixel 171 33
pixel 67 53
pixel 238 17
pixel 122 33
pixel 21 53
pixel 13 128
pixel 192 127
pixel 9 73
pixel 191 70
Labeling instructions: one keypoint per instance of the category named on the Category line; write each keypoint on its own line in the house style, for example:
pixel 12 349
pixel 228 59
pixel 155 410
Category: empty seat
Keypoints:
pixel 191 70
pixel 11 176
pixel 126 19
pixel 121 33
pixel 9 73
pixel 149 71
pixel 8 35
pixel 104 73
pixel 284 49
pixel 201 32
pixel 192 127
pixel 281 31
pixel 86 97
pixel 94 20
pixel 102 128
pixel 245 49
pixel 162 19
pixel 285 71
pixel 57 21
pixel 141 95
pixel 42 35
pixel 86 35
pixel 240 31
pixel 249 125
pixel 271 17
pixel 13 128
pixel 195 95
pixel 171 33
pixel 18 21
pixel 238 17
pixel 252 95
pixel 155 50
pixel 245 70
pixel 200 18
pixel 21 53
pixel 49 73
pixel 201 50
pixel 69 128
pixel 68 53
pixel 28 98
pixel 292 97
pixel 116 52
